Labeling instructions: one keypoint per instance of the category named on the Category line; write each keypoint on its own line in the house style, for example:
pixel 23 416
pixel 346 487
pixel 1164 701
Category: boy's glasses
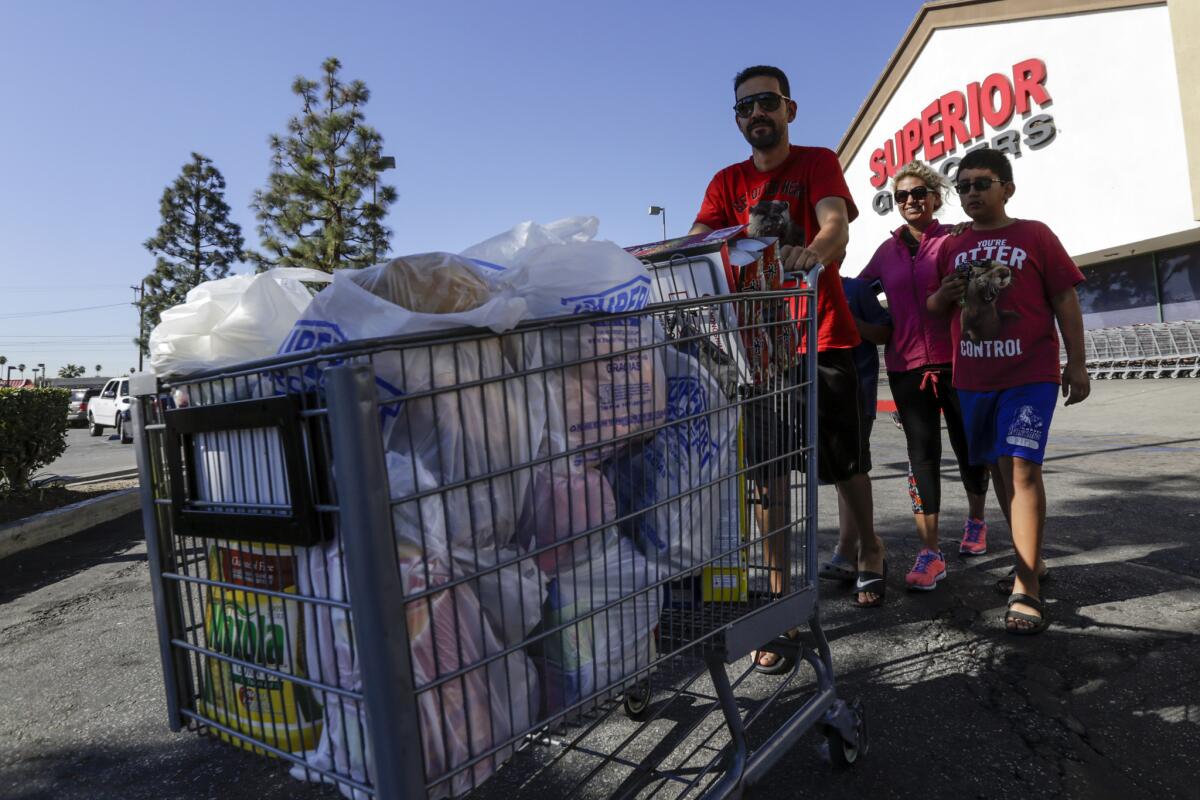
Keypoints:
pixel 768 101
pixel 979 185
pixel 919 194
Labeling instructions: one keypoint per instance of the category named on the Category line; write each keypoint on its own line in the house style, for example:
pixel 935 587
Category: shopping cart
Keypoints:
pixel 524 561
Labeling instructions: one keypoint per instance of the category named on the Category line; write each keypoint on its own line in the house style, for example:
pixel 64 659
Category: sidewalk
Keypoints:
pixel 1105 704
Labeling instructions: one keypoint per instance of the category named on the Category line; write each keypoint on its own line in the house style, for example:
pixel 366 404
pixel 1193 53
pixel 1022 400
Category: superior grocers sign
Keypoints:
pixel 962 118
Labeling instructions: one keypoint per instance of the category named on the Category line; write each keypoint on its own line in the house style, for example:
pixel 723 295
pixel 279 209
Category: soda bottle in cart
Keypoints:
pixel 260 630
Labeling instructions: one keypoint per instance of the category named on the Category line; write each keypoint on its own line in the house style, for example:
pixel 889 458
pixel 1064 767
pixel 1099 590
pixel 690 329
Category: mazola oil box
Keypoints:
pixel 260 631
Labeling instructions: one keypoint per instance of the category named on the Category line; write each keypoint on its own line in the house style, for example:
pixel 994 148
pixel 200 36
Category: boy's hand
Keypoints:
pixel 953 287
pixel 1076 385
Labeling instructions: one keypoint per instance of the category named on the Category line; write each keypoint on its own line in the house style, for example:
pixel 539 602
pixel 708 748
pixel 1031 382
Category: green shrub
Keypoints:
pixel 33 432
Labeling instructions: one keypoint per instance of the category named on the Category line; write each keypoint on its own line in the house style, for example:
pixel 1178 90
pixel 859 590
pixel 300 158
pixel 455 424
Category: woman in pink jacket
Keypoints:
pixel 918 365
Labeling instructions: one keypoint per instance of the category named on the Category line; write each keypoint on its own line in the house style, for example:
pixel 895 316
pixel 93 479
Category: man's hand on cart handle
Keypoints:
pixel 798 259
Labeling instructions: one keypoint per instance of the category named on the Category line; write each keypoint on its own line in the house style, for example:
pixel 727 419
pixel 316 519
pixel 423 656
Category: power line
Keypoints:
pixel 28 314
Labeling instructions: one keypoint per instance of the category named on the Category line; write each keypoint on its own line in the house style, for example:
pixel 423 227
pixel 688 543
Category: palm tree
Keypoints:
pixel 97 370
pixel 21 369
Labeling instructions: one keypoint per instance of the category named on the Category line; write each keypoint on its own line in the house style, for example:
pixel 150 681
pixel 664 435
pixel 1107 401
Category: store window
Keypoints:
pixel 1119 293
pixel 1179 279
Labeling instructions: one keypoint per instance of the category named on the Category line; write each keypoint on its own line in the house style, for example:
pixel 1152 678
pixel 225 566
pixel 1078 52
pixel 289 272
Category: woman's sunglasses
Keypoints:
pixel 768 101
pixel 979 185
pixel 919 194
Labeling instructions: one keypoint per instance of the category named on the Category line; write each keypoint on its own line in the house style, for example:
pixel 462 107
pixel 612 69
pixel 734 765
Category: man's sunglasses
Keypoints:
pixel 979 185
pixel 919 194
pixel 767 101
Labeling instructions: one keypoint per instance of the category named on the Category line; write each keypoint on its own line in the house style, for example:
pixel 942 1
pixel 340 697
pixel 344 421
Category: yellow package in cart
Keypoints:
pixel 727 580
pixel 258 630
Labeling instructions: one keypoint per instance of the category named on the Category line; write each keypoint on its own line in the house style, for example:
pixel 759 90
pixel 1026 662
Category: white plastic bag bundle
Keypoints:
pixel 448 630
pixel 690 467
pixel 461 434
pixel 230 320
pixel 597 650
pixel 617 389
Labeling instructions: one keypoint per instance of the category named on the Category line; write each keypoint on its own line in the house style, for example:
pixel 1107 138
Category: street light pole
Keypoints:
pixel 660 210
pixel 379 165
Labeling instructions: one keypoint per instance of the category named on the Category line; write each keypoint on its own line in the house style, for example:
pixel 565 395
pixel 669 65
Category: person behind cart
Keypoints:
pixel 1005 282
pixel 874 325
pixel 808 183
pixel 918 361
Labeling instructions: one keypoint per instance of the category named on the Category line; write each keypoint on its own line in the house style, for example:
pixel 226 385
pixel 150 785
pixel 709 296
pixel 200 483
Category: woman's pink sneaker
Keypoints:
pixel 974 541
pixel 929 569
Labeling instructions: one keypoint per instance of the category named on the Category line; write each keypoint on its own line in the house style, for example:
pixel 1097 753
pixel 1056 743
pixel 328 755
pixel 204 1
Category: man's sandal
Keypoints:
pixel 1005 585
pixel 870 583
pixel 837 568
pixel 780 665
pixel 1040 623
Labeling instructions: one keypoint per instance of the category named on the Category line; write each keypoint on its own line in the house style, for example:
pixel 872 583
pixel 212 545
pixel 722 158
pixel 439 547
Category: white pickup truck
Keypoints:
pixel 105 409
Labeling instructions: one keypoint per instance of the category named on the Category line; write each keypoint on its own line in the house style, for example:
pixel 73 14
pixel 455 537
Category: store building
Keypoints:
pixel 1098 104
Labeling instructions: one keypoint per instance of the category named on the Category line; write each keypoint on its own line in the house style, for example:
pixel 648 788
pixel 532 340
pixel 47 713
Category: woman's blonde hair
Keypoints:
pixel 927 175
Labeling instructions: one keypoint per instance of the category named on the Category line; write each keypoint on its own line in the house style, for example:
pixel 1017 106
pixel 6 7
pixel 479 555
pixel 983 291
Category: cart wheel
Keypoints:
pixel 637 700
pixel 842 753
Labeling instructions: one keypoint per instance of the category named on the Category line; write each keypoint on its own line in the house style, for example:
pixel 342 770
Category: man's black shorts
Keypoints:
pixel 774 424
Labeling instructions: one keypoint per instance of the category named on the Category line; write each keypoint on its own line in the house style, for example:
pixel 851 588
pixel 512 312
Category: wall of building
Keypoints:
pixel 1116 169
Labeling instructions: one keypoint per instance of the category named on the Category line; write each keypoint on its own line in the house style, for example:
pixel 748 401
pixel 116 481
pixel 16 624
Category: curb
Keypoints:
pixel 50 526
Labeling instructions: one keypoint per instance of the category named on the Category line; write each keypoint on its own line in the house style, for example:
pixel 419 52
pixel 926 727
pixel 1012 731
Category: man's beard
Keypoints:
pixel 765 140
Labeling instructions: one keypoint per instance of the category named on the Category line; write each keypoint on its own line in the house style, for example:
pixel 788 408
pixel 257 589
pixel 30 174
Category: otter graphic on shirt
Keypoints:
pixel 989 268
pixel 1005 334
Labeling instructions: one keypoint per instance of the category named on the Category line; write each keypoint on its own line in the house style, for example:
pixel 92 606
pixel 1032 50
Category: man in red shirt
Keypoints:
pixel 799 194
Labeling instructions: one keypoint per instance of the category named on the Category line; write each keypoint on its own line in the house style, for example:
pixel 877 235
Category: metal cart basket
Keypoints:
pixel 525 561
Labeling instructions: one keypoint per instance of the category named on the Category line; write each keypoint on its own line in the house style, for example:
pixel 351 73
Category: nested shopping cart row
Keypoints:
pixel 1150 350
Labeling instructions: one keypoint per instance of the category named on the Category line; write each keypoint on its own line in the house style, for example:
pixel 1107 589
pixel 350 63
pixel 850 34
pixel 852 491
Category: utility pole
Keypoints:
pixel 138 293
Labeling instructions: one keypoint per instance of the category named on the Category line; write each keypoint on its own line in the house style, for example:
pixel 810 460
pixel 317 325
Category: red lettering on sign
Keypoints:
pixel 954 106
pixel 1028 77
pixel 878 169
pixel 996 114
pixel 912 140
pixel 931 130
pixel 973 111
pixel 957 118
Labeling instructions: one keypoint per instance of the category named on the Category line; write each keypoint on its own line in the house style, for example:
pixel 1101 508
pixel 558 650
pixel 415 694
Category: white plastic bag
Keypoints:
pixel 598 649
pixel 689 467
pixel 502 249
pixel 618 389
pixel 448 630
pixel 460 434
pixel 230 320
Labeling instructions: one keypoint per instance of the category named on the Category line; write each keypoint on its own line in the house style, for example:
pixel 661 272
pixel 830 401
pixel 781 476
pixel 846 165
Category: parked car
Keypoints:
pixel 104 410
pixel 77 408
pixel 126 426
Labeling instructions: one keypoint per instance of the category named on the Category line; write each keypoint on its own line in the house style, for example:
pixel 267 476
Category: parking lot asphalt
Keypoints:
pixel 88 456
pixel 1105 704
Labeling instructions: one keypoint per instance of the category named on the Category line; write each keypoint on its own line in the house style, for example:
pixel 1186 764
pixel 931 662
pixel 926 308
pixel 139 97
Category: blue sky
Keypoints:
pixel 495 113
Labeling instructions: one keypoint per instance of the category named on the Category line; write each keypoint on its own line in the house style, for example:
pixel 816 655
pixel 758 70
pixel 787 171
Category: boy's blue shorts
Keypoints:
pixel 1008 422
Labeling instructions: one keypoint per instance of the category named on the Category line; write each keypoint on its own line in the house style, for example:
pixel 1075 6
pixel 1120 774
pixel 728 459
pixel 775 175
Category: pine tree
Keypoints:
pixel 196 241
pixel 322 207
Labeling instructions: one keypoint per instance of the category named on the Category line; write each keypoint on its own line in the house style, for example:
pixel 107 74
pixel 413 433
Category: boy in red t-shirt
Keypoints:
pixel 1008 280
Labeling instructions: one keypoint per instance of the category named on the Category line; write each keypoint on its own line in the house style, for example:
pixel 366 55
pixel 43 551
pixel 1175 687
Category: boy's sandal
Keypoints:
pixel 872 583
pixel 1040 623
pixel 837 568
pixel 1005 585
pixel 780 665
